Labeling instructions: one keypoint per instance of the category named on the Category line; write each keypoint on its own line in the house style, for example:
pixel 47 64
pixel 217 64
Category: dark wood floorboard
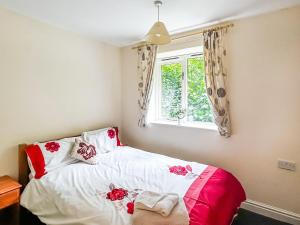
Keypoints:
pixel 9 217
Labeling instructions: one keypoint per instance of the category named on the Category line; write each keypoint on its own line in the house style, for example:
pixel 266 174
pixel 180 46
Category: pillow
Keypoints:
pixel 84 151
pixel 48 156
pixel 105 140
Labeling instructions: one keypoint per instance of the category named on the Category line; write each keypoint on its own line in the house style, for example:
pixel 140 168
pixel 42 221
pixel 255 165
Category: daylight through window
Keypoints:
pixel 179 91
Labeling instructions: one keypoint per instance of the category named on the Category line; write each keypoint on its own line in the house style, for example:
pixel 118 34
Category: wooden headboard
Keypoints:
pixel 24 170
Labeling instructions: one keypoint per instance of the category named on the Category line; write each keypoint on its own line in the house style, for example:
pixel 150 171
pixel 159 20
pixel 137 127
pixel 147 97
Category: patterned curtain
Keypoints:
pixel 215 77
pixel 146 62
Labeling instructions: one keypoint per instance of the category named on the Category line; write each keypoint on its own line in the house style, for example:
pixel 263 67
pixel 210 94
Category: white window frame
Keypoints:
pixel 168 58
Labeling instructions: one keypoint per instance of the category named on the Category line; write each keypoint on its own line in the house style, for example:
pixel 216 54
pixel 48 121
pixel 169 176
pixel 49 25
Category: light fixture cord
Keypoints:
pixel 157 12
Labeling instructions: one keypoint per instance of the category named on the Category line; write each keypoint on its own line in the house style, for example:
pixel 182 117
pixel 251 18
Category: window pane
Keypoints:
pixel 171 75
pixel 198 102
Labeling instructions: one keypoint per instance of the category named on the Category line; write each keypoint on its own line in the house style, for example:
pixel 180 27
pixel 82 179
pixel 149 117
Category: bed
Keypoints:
pixel 78 193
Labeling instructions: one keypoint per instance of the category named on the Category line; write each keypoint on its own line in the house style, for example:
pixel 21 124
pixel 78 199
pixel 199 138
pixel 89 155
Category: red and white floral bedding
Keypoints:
pixel 103 194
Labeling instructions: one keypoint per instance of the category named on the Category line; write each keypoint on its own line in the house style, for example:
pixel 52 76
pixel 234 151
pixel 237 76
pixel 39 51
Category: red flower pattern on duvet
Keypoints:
pixel 178 170
pixel 182 171
pixel 87 151
pixel 52 146
pixel 111 133
pixel 130 207
pixel 117 194
pixel 123 199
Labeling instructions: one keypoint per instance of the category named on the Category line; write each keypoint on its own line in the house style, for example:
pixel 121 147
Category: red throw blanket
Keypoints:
pixel 214 197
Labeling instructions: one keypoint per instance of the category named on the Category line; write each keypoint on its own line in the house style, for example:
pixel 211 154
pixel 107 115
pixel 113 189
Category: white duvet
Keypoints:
pixel 77 193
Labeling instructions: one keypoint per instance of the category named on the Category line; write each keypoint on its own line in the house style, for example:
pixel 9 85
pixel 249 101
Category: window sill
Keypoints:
pixel 199 125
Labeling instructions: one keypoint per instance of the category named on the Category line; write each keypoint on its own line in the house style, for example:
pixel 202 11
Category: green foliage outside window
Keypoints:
pixel 198 107
pixel 171 75
pixel 198 102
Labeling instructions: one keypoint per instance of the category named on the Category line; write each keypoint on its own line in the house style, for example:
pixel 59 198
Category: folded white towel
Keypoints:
pixel 155 202
pixel 178 216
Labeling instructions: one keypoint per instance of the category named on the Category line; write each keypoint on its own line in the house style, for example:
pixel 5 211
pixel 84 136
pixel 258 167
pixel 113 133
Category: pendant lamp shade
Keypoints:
pixel 158 34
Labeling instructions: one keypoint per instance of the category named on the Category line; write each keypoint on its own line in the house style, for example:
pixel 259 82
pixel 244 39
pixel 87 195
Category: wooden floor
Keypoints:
pixel 8 217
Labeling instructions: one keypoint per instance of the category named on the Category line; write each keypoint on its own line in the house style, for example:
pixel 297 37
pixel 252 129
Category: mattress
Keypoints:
pixel 81 193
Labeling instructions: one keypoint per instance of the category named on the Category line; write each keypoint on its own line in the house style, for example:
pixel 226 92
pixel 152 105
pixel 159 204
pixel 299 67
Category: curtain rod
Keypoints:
pixel 199 31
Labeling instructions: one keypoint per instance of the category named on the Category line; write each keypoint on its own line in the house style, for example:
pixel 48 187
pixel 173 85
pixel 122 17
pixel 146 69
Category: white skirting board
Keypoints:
pixel 272 212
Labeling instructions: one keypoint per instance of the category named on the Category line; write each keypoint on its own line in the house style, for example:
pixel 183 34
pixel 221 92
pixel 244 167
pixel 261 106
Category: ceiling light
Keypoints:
pixel 158 34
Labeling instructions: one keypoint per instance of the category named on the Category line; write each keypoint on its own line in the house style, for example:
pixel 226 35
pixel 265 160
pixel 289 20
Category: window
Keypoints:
pixel 179 89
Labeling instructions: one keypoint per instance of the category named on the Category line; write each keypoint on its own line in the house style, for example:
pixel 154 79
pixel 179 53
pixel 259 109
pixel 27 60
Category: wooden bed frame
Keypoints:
pixel 24 170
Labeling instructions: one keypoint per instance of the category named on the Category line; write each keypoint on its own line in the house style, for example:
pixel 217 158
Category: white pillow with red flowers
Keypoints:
pixel 105 140
pixel 84 151
pixel 48 156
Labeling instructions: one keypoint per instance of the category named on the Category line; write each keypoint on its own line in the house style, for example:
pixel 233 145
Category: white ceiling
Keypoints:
pixel 122 22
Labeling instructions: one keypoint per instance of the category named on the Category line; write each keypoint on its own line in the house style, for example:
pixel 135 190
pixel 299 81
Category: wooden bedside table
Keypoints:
pixel 9 201
pixel 9 192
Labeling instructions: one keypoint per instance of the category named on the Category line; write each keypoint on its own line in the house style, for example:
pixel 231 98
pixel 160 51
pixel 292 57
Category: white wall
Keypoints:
pixel 53 83
pixel 264 84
